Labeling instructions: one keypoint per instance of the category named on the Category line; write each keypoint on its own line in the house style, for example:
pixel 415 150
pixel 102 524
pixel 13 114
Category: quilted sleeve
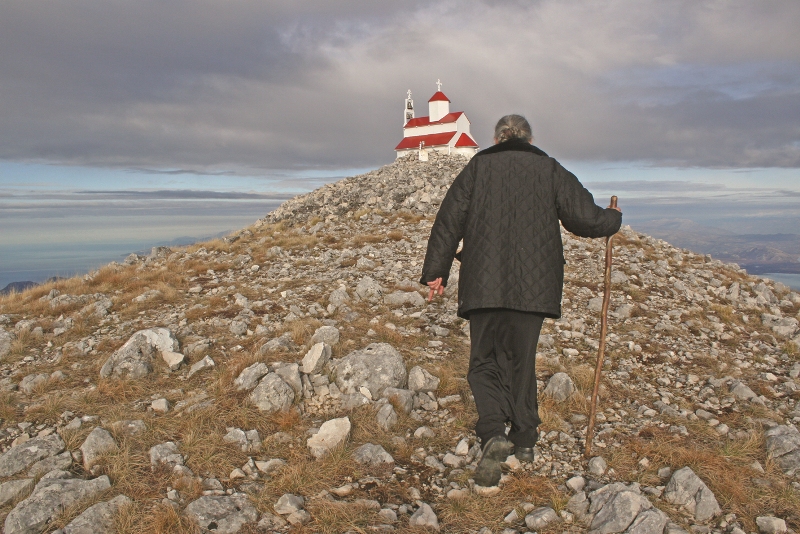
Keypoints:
pixel 448 228
pixel 577 210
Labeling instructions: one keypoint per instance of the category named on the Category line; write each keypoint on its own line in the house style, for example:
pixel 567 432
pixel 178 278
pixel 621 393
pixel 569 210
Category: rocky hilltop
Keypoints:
pixel 292 377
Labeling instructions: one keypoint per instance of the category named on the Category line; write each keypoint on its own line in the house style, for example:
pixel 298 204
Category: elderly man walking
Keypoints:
pixel 506 206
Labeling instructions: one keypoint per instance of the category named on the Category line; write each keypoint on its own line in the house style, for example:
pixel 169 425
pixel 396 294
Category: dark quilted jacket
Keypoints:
pixel 506 205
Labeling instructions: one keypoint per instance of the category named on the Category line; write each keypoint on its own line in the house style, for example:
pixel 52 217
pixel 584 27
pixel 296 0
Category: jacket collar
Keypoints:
pixel 517 145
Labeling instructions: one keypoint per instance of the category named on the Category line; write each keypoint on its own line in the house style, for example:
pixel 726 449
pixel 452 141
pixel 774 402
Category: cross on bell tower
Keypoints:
pixel 438 85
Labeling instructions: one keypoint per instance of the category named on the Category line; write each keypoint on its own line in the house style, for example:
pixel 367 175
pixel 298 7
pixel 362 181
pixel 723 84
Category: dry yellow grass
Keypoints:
pixel 723 465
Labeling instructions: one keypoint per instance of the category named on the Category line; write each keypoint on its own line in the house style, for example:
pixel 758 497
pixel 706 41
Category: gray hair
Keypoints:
pixel 512 127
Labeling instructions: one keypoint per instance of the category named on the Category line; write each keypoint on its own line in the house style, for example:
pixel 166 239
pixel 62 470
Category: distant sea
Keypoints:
pixel 36 248
pixel 791 280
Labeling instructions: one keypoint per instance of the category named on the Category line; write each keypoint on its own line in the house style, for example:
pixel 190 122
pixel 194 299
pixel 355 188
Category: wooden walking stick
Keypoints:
pixel 601 352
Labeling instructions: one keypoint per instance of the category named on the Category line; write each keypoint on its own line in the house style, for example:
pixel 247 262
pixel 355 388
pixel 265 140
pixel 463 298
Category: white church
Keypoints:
pixel 441 130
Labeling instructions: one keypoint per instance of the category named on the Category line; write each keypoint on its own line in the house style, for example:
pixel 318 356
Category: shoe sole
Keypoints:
pixel 488 472
pixel 526 456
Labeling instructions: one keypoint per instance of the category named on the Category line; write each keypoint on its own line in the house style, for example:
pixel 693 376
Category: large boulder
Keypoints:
pixel 24 455
pixel 783 445
pixel 98 518
pixel 272 394
pixel 222 514
pixel 134 359
pixel 376 367
pixel 49 498
pixel 13 489
pixel 615 507
pixel 688 491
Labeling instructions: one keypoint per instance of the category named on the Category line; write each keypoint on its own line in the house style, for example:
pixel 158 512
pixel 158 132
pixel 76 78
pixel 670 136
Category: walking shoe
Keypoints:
pixel 524 454
pixel 496 451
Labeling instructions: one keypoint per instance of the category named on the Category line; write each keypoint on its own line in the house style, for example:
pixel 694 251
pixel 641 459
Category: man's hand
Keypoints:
pixel 615 208
pixel 435 287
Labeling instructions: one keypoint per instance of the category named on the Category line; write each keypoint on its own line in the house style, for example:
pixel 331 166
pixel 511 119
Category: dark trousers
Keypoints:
pixel 502 373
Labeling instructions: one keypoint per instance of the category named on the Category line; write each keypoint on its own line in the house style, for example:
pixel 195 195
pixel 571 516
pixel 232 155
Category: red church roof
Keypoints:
pixel 426 121
pixel 429 140
pixel 439 96
pixel 466 140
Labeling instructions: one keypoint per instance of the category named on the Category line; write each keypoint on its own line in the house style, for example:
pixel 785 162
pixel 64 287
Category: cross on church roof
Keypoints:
pixel 409 93
pixel 438 85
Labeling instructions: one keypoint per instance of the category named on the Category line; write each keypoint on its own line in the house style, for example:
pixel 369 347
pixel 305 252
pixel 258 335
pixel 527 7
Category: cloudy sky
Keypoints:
pixel 270 97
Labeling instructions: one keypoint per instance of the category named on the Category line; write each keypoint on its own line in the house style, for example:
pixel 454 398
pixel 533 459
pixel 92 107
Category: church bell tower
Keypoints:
pixel 408 112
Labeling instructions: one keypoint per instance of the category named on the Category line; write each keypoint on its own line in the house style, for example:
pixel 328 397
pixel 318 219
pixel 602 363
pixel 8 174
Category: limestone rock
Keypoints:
pixel 596 304
pixel 401 398
pixel 248 441
pixel 338 297
pixel 316 358
pixel 128 427
pixel 98 518
pixel 13 489
pixel 270 467
pixel 61 461
pixel 331 434
pixel 282 343
pixel 205 363
pixel 386 416
pixel 404 298
pixel 249 377
pixel 30 382
pixel 369 290
pixel 540 518
pixel 165 454
pixel 560 387
pixel 49 498
pixel 325 334
pixel 134 359
pixel 371 454
pixel 650 521
pixel 174 360
pixel 685 489
pixel 288 503
pixel 272 394
pixel 19 458
pixel 783 444
pixel 420 380
pixel 617 510
pixel 597 466
pixel 741 391
pixel 270 522
pixel 97 443
pixel 376 367
pixel 5 342
pixel 290 373
pixel 771 525
pixel 424 517
pixel 222 514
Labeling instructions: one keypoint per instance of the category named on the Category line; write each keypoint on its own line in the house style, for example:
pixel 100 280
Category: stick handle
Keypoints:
pixel 613 202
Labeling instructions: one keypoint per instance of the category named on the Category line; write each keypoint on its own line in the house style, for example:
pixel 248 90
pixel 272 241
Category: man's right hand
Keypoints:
pixel 435 287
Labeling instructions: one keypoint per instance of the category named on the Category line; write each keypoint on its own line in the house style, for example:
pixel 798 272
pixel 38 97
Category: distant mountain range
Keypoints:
pixel 758 253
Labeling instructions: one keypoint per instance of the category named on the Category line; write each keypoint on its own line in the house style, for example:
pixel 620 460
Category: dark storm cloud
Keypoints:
pixel 253 86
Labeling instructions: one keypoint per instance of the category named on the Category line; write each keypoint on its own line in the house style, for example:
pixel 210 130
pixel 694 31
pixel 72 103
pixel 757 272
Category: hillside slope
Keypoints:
pixel 291 377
